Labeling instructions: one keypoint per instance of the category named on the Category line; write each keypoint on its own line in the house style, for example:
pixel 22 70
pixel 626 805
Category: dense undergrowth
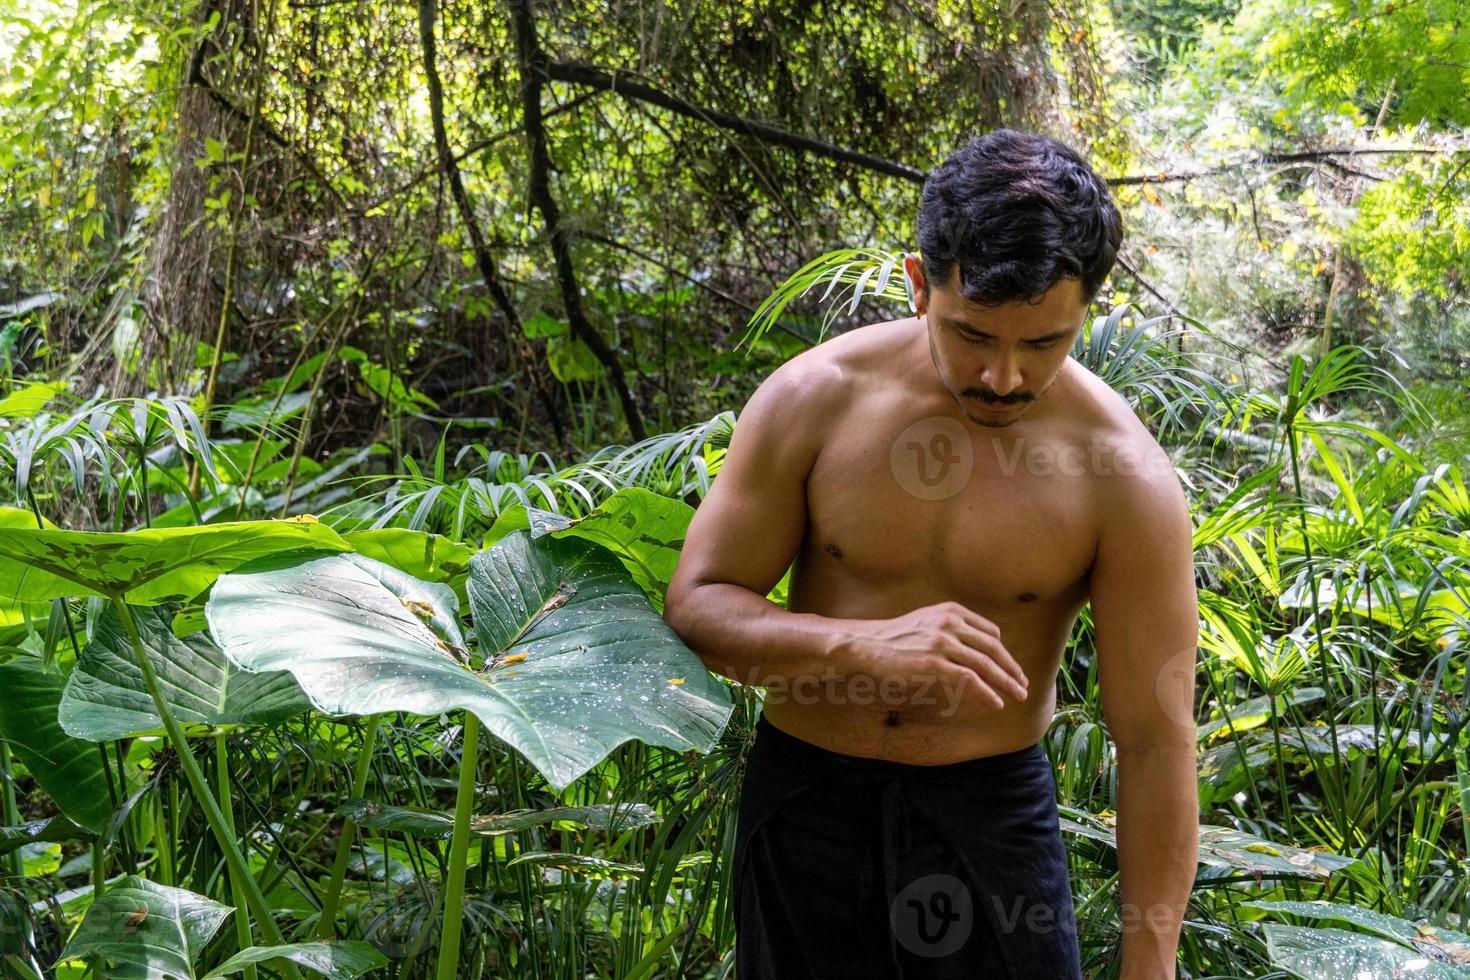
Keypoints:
pixel 1332 562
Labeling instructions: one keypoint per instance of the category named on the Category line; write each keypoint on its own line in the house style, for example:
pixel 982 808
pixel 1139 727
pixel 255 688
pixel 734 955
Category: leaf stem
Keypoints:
pixel 222 778
pixel 459 850
pixel 11 811
pixel 255 901
pixel 326 925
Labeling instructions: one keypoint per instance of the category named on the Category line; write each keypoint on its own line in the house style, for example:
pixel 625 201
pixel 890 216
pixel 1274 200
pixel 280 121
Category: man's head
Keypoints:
pixel 1017 234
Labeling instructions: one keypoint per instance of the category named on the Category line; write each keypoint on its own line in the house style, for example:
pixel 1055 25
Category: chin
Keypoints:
pixel 992 423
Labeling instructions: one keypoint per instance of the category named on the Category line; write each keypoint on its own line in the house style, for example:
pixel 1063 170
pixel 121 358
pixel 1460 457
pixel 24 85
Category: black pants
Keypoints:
pixel 848 867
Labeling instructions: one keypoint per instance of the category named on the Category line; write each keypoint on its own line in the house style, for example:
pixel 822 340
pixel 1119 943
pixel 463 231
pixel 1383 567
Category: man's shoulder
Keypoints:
pixel 1129 467
pixel 820 377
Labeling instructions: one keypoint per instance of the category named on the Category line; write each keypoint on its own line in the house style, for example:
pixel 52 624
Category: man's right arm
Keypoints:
pixel 747 531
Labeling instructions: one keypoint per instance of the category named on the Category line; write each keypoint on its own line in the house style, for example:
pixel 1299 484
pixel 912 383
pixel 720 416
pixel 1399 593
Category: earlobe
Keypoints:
pixel 913 283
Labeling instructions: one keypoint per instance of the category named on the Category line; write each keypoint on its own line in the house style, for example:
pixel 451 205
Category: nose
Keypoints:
pixel 1003 375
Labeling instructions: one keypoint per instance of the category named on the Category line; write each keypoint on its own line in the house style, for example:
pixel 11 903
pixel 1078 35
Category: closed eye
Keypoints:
pixel 976 341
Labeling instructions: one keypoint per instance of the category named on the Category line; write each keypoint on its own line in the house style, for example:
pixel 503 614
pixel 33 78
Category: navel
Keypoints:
pixel 892 720
pixel 833 550
pixel 1026 597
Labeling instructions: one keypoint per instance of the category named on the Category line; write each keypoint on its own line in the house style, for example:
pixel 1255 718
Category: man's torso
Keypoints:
pixel 903 514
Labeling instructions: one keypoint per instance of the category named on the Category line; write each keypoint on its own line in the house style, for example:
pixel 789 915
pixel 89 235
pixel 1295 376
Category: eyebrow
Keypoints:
pixel 964 327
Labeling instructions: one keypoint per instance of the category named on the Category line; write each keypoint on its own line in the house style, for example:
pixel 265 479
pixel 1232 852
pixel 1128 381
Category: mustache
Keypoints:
pixel 991 396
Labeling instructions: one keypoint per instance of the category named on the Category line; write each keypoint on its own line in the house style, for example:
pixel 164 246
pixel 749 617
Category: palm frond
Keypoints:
pixel 869 271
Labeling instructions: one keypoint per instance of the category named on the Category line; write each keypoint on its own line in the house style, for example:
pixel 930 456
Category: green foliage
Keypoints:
pixel 1352 52
pixel 67 768
pixel 143 929
pixel 369 374
pixel 1413 233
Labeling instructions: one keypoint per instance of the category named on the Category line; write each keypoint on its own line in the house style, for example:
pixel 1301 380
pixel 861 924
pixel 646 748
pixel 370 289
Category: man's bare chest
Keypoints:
pixel 933 508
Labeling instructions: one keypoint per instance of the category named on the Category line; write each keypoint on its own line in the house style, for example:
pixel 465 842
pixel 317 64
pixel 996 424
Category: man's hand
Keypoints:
pixel 945 643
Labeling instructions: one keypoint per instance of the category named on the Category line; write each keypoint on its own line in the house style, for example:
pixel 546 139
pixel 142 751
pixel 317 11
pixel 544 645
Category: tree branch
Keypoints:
pixel 532 62
pixel 483 260
pixel 624 84
pixel 197 78
pixel 466 153
pixel 1321 156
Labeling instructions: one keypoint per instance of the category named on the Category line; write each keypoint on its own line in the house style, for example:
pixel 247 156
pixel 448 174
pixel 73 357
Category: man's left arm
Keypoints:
pixel 1146 621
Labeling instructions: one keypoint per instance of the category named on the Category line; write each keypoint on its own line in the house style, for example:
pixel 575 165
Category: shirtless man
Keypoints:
pixel 953 489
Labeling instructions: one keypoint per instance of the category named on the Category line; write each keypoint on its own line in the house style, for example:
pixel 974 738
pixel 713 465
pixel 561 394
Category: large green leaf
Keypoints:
pixel 148 566
pixel 421 822
pixel 147 930
pixel 431 557
pixel 105 697
pixel 1227 847
pixel 329 617
pixel 600 666
pixel 51 830
pixel 1221 847
pixel 644 529
pixel 1332 954
pixel 1439 942
pixel 68 769
pixel 334 960
pixel 13 611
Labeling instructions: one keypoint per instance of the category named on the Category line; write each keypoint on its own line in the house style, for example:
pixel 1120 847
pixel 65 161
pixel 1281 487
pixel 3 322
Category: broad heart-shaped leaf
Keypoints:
pixel 601 667
pixel 105 697
pixel 439 824
pixel 337 623
pixel 1227 847
pixel 1334 954
pixel 430 557
pixel 1439 942
pixel 68 769
pixel 644 529
pixel 594 664
pixel 147 930
pixel 1222 847
pixel 148 566
pixel 13 612
pixel 334 960
pixel 51 830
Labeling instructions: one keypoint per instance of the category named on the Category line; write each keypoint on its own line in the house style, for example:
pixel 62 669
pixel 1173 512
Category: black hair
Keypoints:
pixel 1018 212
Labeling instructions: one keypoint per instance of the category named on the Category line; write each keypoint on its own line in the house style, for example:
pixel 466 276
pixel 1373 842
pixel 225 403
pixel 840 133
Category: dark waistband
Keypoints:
pixel 811 757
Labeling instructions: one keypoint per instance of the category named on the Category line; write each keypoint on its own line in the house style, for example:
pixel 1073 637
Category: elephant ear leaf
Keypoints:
pixel 335 960
pixel 645 530
pixel 67 768
pixel 147 930
pixel 581 660
pixel 105 697
pixel 573 660
pixel 146 567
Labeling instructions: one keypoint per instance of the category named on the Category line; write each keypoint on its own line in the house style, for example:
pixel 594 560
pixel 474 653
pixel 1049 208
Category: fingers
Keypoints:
pixel 988 675
pixel 969 678
pixel 984 651
pixel 974 619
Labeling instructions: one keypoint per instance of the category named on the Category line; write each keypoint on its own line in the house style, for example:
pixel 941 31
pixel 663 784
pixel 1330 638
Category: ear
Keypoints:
pixel 913 270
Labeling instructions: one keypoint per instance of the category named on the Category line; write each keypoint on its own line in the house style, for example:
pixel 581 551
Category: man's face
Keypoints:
pixel 997 361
